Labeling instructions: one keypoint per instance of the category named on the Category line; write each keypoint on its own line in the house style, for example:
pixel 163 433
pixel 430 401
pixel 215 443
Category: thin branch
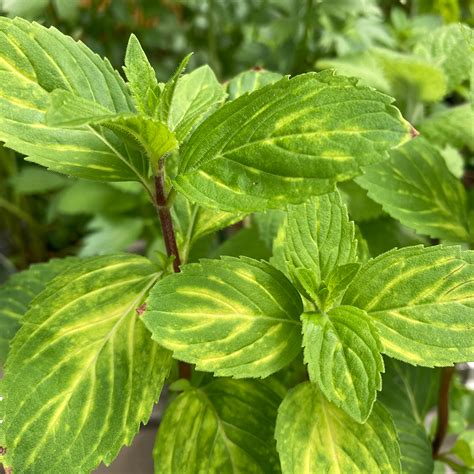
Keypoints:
pixel 443 409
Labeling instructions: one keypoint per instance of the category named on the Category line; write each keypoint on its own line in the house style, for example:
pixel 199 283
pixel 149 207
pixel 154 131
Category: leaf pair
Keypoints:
pixel 240 317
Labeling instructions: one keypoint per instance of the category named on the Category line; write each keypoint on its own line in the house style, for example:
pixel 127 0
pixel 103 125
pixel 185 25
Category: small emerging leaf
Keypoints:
pixel 164 106
pixel 154 137
pixel 342 350
pixel 141 78
pixel 197 95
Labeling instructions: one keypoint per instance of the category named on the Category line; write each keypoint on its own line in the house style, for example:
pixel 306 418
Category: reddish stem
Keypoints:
pixel 443 409
pixel 163 209
pixel 164 214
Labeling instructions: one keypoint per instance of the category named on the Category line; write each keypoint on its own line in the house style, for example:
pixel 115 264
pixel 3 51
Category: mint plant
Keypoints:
pixel 281 361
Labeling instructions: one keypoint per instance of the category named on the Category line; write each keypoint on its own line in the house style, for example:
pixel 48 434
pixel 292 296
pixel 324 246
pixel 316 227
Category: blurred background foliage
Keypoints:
pixel 389 44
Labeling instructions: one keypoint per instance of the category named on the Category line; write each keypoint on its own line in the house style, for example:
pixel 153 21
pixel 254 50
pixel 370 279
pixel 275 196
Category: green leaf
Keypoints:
pixel 288 141
pixel 154 137
pixel 245 242
pixel 197 95
pixel 192 222
pixel 34 180
pixel 409 393
pixel 69 110
pixel 249 81
pixel 67 10
pixel 360 207
pixel 163 111
pixel 450 47
pixel 268 224
pixel 110 235
pixel 91 197
pixel 224 427
pixel 30 9
pixel 315 436
pixel 17 293
pixel 364 66
pixel 415 445
pixel 141 78
pixel 421 300
pixel 384 234
pixel 454 160
pixel 450 127
pixel 464 448
pixel 416 187
pixel 237 317
pixel 319 236
pixel 338 281
pixel 411 74
pixel 409 390
pixel 82 370
pixel 342 350
pixel 34 61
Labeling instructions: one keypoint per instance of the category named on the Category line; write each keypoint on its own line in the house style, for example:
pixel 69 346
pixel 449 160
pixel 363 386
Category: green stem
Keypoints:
pixel 456 467
pixel 189 234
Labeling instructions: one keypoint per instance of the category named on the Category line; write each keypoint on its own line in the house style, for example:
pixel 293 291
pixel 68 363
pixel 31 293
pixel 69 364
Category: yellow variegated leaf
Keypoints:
pixel 225 427
pixel 415 186
pixel 34 61
pixel 17 293
pixel 422 302
pixel 314 436
pixel 342 350
pixel 234 316
pixel 287 141
pixel 83 372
